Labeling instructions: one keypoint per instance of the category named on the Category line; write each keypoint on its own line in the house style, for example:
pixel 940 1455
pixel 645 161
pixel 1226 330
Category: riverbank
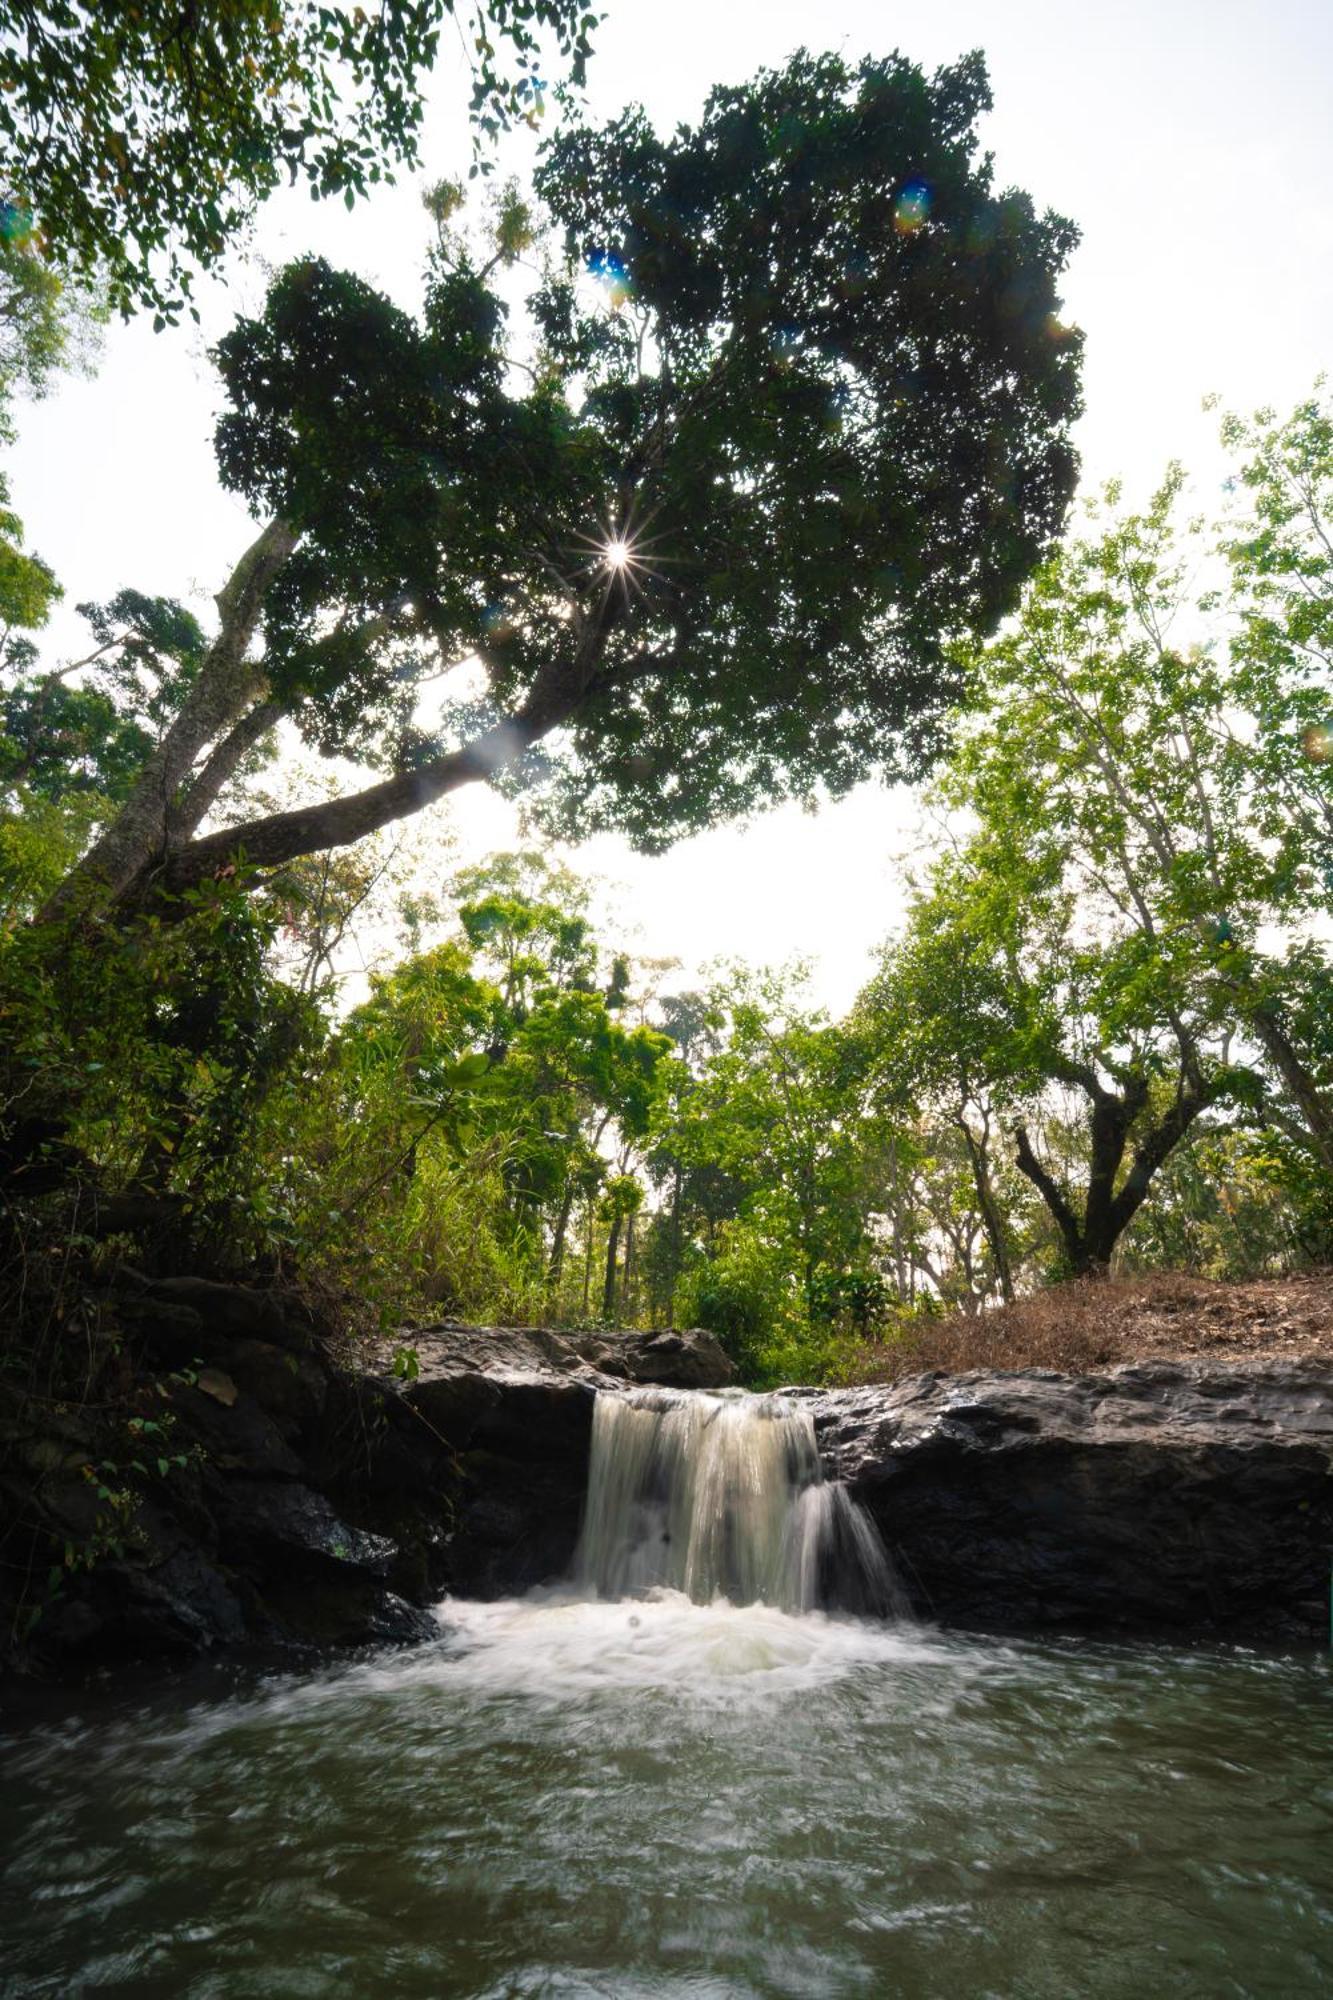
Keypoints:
pixel 1074 1327
pixel 294 1501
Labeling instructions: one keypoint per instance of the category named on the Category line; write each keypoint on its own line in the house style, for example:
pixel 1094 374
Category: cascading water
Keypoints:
pixel 582 1792
pixel 724 1496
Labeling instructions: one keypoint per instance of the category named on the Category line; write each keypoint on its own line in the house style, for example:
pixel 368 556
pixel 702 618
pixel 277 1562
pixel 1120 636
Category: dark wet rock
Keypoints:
pixel 516 1522
pixel 290 1387
pixel 514 1407
pixel 308 1504
pixel 184 1318
pixel 1179 1499
pixel 1182 1500
pixel 240 1436
pixel 449 1354
pixel 183 1604
pixel 267 1521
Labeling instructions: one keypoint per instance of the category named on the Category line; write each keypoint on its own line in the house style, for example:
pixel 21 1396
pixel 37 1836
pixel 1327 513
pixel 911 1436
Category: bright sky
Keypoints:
pixel 1189 139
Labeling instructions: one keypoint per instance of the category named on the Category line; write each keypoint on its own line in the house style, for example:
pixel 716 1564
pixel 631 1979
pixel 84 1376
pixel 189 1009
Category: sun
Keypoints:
pixel 620 554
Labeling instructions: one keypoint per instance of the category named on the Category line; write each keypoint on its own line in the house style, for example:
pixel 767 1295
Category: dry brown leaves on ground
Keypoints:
pixel 1086 1326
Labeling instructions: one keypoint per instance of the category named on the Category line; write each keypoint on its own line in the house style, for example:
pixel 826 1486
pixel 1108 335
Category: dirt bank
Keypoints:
pixel 1077 1327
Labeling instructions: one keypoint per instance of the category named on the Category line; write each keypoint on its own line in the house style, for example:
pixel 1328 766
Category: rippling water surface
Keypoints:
pixel 659 1798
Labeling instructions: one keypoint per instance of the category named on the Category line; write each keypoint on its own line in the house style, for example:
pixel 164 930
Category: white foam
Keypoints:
pixel 553 1644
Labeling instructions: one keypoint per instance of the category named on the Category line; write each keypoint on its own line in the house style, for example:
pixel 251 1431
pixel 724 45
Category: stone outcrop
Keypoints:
pixel 308 1503
pixel 515 1405
pixel 1173 1499
pixel 1179 1500
pixel 300 1501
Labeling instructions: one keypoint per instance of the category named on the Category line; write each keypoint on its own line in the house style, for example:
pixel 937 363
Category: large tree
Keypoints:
pixel 1140 913
pixel 136 141
pixel 794 418
pixel 1058 1015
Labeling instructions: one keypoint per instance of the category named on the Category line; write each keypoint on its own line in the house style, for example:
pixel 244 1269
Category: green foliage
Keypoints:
pixel 63 737
pixel 743 1295
pixel 186 121
pixel 1139 915
pixel 854 401
pixel 860 381
pixel 465 1113
pixel 137 1062
pixel 1233 1204
pixel 39 841
pixel 49 324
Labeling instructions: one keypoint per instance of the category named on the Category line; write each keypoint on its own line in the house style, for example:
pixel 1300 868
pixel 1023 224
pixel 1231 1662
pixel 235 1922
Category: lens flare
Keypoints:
pixel 622 553
pixel 785 341
pixel 1317 742
pixel 609 272
pixel 15 223
pixel 497 621
pixel 911 208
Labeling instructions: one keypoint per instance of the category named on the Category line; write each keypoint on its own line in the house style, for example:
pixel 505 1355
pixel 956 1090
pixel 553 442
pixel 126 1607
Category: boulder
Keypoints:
pixel 309 1503
pixel 692 1358
pixel 460 1368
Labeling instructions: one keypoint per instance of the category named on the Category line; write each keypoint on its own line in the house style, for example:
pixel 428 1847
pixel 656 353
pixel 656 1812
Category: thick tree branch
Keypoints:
pixel 977 1153
pixel 223 763
pixel 1273 1038
pixel 1051 1193
pixel 1152 1152
pixel 227 683
pixel 282 837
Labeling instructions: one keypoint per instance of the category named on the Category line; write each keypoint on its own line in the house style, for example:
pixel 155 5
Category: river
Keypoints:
pixel 566 1795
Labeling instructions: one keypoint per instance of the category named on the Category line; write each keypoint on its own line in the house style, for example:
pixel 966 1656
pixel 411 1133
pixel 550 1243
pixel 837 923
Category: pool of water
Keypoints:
pixel 568 1798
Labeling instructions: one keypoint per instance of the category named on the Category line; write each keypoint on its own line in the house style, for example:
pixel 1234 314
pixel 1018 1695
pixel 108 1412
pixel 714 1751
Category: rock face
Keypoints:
pixel 1179 1500
pixel 515 1405
pixel 300 1502
pixel 1176 1500
pixel 309 1504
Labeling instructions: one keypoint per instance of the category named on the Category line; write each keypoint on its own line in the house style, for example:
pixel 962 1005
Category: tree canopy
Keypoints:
pixel 794 422
pixel 1100 1040
pixel 137 141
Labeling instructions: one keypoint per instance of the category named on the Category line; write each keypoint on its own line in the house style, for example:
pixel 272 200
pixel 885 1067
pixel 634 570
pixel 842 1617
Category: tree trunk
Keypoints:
pixel 609 1286
pixel 673 1275
pixel 1316 1114
pixel 226 759
pixel 137 854
pixel 1090 1239
pixel 136 842
pixel 627 1277
pixel 587 1259
pixel 1071 1234
pixel 978 1155
pixel 556 1264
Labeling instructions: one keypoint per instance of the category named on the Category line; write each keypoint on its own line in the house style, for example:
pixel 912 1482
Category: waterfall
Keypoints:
pixel 723 1495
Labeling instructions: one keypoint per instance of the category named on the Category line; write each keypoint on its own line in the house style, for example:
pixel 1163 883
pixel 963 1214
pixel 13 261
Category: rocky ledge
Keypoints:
pixel 289 1498
pixel 1175 1500
pixel 310 1503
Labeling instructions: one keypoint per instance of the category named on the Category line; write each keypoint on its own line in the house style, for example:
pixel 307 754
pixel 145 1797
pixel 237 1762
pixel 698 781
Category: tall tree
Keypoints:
pixel 775 1109
pixel 931 1059
pixel 797 418
pixel 1054 1008
pixel 1141 914
pixel 1165 751
pixel 1275 739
